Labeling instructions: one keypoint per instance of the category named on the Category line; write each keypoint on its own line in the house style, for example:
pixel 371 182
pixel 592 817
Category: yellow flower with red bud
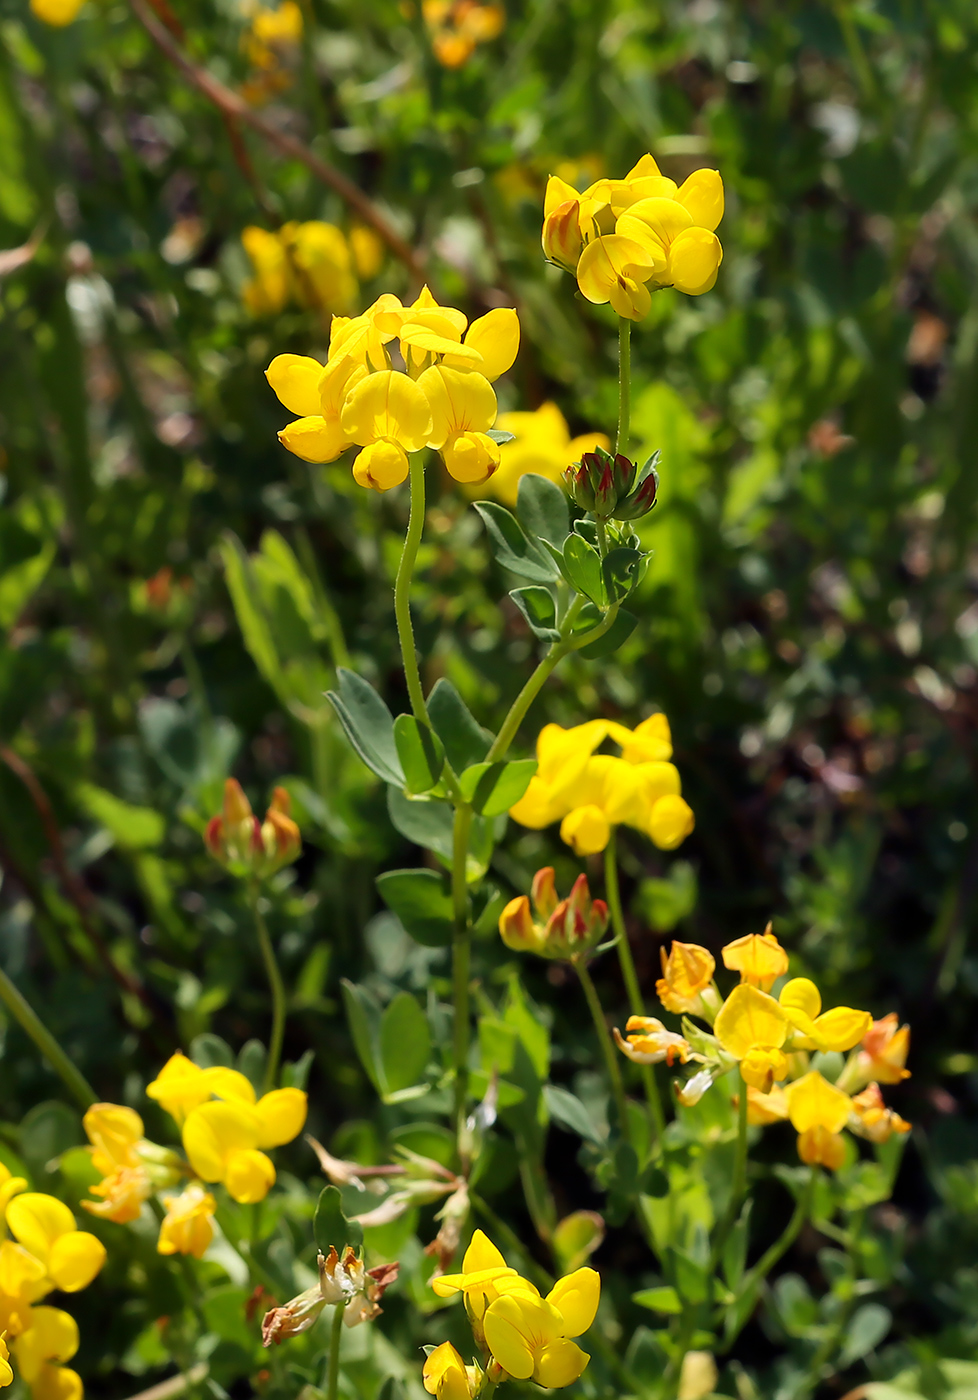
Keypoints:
pixel 870 1118
pixel 244 845
pixel 649 1043
pixel 564 928
pixel 687 977
pixel 758 957
pixel 188 1226
pixel 612 485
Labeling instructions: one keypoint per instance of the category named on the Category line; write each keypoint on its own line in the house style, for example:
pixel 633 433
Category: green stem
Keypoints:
pixel 738 1189
pixel 857 54
pixel 607 1046
pixel 26 1017
pixel 624 383
pixel 402 590
pixel 461 952
pixel 277 989
pixel 629 974
pixel 777 1250
pixel 333 1368
pixel 599 523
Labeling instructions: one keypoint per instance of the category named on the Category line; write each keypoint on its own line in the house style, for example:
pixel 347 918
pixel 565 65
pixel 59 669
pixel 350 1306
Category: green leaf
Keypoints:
pixel 492 788
pixel 582 569
pixel 619 631
pixel 405 1043
pixel 251 1063
pixel 567 1109
pixel 429 823
pixel 421 754
pixel 511 547
pixel 20 582
pixel 692 1277
pixel 735 1250
pixel 421 902
pixel 133 828
pixel 661 1300
pixel 464 738
pixel 500 435
pixel 210 1051
pixel 866 1330
pixel 543 509
pixel 363 1014
pixel 621 572
pixel 330 1226
pixel 368 724
pixel 538 607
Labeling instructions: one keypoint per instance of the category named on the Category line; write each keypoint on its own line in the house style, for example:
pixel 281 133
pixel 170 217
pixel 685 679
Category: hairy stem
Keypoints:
pixel 277 989
pixel 333 1367
pixel 460 959
pixel 27 1018
pixel 624 383
pixel 607 1046
pixel 402 591
pixel 629 974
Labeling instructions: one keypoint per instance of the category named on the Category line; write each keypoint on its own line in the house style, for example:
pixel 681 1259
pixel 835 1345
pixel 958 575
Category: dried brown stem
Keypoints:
pixel 234 106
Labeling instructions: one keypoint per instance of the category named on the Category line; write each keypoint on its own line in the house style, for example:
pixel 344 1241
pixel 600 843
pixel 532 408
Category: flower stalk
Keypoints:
pixel 275 986
pixel 607 1045
pixel 29 1021
pixel 335 1341
pixel 402 589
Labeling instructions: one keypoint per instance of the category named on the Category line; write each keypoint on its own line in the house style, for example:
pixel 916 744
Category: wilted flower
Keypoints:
pixel 343 1282
pixel 870 1118
pixel 649 1043
pixel 611 485
pixel 565 929
pixel 884 1050
pixel 247 847
pixel 694 1088
pixel 686 975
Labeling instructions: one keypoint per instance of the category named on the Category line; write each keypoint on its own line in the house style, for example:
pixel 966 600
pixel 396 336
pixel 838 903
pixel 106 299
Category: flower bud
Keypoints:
pixel 562 241
pixel 247 847
pixel 561 929
pixel 543 892
pixel 612 486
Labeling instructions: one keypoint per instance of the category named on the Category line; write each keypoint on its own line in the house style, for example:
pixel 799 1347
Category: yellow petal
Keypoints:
pixel 22 1275
pixel 314 440
pixel 52 1336
pixel 649 742
pixel 229 1084
pixel 538 806
pixel 559 1363
pixel 56 12
pixel 282 1114
pixel 75 1259
pixel 801 994
pixel 670 822
pixel 657 780
pixel 586 830
pixel 694 261
pixel 215 1130
pixel 841 1028
pixel 444 1374
pixel 179 1087
pixel 503 1324
pixel 496 336
pixel 819 1147
pixel 606 261
pixel 643 167
pixel 387 405
pixel 665 217
pixel 558 192
pixel 37 1220
pixel 761 1066
pixel 702 195
pixel 576 1298
pixel 747 1018
pixel 813 1102
pixel 471 457
pixel 758 957
pixel 482 1253
pixel 295 380
pixel 460 401
pixel 249 1177
pixel 381 466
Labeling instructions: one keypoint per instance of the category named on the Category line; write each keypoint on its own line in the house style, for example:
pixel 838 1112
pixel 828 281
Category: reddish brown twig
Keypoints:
pixel 233 105
pixel 75 888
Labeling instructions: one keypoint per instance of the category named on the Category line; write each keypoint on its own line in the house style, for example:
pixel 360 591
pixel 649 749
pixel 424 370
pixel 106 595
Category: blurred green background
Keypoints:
pixel 176 590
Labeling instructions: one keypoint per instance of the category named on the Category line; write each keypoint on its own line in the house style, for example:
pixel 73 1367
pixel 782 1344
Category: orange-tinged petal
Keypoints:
pixel 819 1147
pixel 758 957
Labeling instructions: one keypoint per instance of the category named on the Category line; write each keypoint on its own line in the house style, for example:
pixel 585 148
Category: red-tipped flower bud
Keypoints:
pixel 611 486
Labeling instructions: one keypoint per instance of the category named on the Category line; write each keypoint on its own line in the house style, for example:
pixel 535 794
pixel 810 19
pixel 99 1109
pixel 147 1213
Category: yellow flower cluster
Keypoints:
pixel 541 444
pixel 769 1040
pixel 589 793
pixel 622 237
pixel 443 398
pixel 521 1335
pixel 57 13
pixel 457 27
pixel 47 1251
pixel 313 264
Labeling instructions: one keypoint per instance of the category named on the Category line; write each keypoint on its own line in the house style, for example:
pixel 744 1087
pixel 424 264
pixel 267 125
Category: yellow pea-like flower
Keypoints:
pixel 114 1132
pixel 586 830
pixel 221 1143
pixel 390 409
pixel 56 12
pixel 23 1281
pixel 750 1018
pixel 483 1266
pixel 530 1337
pixel 268 291
pixel 758 957
pixel 6 1370
pixel 815 1103
pixel 46 1228
pixel 615 268
pixel 187 1227
pixel 649 1043
pixel 670 822
pixel 838 1029
pixel 304 386
pixel 180 1087
pixel 50 1340
pixel 463 407
pixel 648 742
pixel 446 1375
pixel 496 338
pixel 686 974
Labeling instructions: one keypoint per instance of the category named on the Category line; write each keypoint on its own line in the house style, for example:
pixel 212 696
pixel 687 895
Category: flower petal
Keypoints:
pixel 576 1298
pixel 496 336
pixel 75 1260
pixel 387 405
pixel 702 195
pixel 282 1114
pixel 295 380
pixel 694 261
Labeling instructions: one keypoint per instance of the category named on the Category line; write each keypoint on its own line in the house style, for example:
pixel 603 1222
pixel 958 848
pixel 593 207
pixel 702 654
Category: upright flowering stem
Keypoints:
pixel 738 1189
pixel 460 958
pixel 275 986
pixel 27 1018
pixel 607 1045
pixel 629 975
pixel 402 590
pixel 333 1365
pixel 624 383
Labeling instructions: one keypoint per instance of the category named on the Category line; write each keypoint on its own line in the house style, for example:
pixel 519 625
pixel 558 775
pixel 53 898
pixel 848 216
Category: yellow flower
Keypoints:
pixel 446 1375
pixel 180 1087
pixel 388 415
pixel 649 1043
pixel 752 1027
pixel 818 1112
pixel 46 1228
pixel 758 957
pixel 838 1029
pixel 187 1227
pixel 483 1267
pixel 10 1186
pixel 463 407
pixel 686 974
pixel 304 386
pixel 50 1340
pixel 870 1117
pixel 530 1336
pixel 6 1370
pixel 56 12
pixel 23 1281
pixel 542 444
pixel 687 254
pixel 114 1132
pixel 321 264
pixel 648 742
pixel 615 269
pixel 222 1139
pixel 885 1046
pixel 820 1148
pixel 368 251
pixel 268 291
pixel 763 1109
